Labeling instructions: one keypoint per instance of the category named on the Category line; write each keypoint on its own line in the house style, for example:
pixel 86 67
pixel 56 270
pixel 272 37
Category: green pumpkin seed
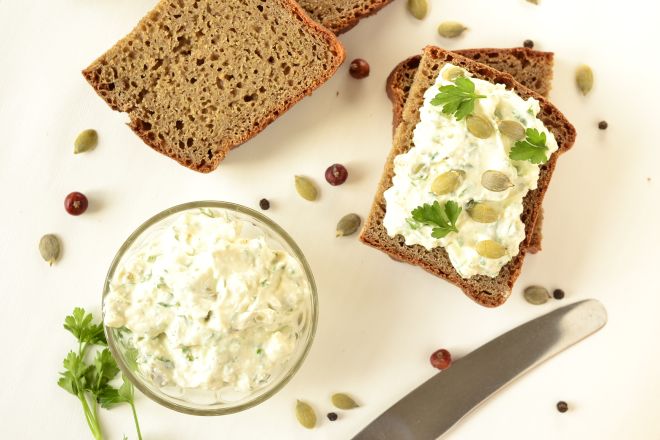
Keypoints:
pixel 452 73
pixel 447 182
pixel 534 2
pixel 343 401
pixel 418 8
pixel 483 212
pixel 306 188
pixel 496 181
pixel 85 141
pixel 348 224
pixel 584 77
pixel 49 248
pixel 305 414
pixel 536 295
pixel 490 249
pixel 514 130
pixel 451 29
pixel 479 126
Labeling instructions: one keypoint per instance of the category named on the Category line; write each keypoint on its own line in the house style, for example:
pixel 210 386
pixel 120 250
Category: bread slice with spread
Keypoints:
pixel 463 184
pixel 531 68
pixel 200 77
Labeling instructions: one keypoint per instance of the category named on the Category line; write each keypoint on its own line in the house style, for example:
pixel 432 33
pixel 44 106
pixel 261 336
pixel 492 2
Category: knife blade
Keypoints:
pixel 439 403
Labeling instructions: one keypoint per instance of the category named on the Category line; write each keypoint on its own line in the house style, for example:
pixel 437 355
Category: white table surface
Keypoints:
pixel 379 320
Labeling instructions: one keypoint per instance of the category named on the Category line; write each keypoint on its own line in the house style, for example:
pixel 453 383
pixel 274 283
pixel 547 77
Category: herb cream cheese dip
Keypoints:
pixel 206 308
pixel 443 144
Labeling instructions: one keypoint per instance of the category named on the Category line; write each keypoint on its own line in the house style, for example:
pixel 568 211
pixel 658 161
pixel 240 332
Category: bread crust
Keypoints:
pixel 489 292
pixel 223 146
pixel 348 19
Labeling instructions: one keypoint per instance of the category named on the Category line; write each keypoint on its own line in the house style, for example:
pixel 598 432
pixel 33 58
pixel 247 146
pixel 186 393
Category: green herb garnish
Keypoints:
pixel 442 218
pixel 532 148
pixel 85 380
pixel 457 99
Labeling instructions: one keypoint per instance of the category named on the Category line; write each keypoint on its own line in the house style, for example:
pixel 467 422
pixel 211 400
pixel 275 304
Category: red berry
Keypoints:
pixel 75 203
pixel 336 174
pixel 441 359
pixel 359 68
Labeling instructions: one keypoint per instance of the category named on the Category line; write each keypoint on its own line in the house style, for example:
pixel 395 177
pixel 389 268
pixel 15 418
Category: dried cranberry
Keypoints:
pixel 359 68
pixel 336 174
pixel 441 359
pixel 75 203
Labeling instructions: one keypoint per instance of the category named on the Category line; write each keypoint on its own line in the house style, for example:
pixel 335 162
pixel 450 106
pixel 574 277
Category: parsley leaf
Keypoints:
pixel 458 99
pixel 81 326
pixel 442 218
pixel 533 148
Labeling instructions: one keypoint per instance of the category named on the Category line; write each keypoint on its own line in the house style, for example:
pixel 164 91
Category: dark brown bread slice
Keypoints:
pixel 531 68
pixel 490 292
pixel 200 77
pixel 341 15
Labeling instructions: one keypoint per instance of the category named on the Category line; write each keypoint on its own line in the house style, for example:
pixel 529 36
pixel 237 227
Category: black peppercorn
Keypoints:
pixel 528 44
pixel 332 416
pixel 264 204
pixel 562 406
pixel 558 294
pixel 602 125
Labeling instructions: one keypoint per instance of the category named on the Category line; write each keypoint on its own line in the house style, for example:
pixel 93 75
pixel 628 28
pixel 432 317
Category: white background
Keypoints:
pixel 379 320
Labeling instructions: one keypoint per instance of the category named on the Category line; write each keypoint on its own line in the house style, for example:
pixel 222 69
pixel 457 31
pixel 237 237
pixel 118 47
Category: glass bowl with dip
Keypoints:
pixel 209 308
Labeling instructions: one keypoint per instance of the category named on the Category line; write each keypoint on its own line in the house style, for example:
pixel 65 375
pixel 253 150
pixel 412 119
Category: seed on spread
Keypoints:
pixel 479 126
pixel 490 249
pixel 483 212
pixel 514 130
pixel 452 73
pixel 441 359
pixel 496 181
pixel 359 68
pixel 447 182
pixel 264 204
pixel 562 406
pixel 336 174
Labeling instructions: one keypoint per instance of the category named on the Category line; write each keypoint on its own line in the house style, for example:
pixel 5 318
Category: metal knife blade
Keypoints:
pixel 436 405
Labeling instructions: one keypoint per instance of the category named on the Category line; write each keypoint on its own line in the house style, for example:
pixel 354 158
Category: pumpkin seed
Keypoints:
pixel 451 29
pixel 85 141
pixel 49 248
pixel 452 73
pixel 306 188
pixel 490 249
pixel 536 295
pixel 483 212
pixel 305 414
pixel 514 130
pixel 535 2
pixel 479 126
pixel 348 224
pixel 418 8
pixel 584 77
pixel 495 181
pixel 343 401
pixel 447 182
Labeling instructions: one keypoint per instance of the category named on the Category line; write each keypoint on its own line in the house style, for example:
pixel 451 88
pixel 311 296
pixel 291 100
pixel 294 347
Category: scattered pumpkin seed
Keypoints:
pixel 49 248
pixel 343 401
pixel 483 212
pixel 536 295
pixel 451 29
pixel 305 414
pixel 584 77
pixel 348 224
pixel 490 249
pixel 514 130
pixel 447 182
pixel 306 188
pixel 479 126
pixel 85 141
pixel 535 2
pixel 418 8
pixel 496 181
pixel 452 73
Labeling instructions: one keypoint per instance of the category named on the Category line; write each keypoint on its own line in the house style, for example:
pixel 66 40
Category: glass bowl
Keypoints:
pixel 206 402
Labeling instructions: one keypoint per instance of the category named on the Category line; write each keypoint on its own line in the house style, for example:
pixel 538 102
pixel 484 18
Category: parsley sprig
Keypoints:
pixel 457 99
pixel 441 217
pixel 85 380
pixel 533 148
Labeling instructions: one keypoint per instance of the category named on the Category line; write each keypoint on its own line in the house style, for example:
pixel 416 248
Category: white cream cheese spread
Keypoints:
pixel 442 144
pixel 207 309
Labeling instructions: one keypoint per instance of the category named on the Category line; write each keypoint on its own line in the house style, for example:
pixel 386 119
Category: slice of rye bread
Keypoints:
pixel 200 77
pixel 531 68
pixel 487 291
pixel 341 15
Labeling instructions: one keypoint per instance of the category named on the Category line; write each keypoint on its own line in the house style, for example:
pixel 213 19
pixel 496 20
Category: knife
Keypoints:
pixel 440 402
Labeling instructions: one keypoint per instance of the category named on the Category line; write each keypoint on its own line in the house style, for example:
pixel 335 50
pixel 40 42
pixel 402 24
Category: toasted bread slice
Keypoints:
pixel 487 291
pixel 531 68
pixel 341 15
pixel 200 77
